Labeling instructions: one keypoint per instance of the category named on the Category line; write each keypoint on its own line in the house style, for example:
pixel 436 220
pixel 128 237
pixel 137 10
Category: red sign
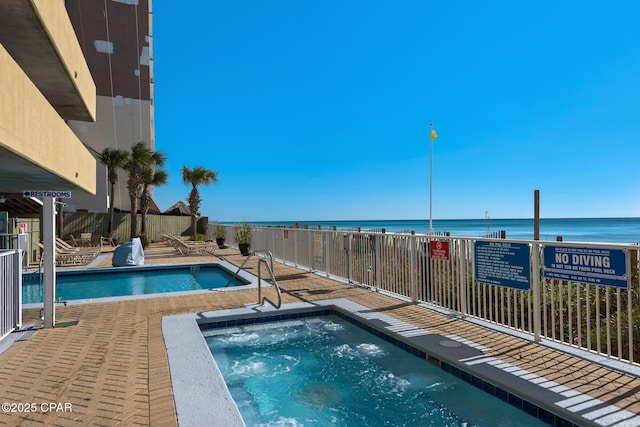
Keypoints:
pixel 286 234
pixel 439 249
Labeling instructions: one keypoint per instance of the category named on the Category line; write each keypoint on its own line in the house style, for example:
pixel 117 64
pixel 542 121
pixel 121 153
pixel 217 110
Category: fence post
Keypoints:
pixel 349 237
pixel 535 279
pixel 284 246
pixel 412 267
pixel 463 277
pixel 273 243
pixel 327 261
pixel 378 247
pixel 18 292
pixel 312 256
pixel 295 247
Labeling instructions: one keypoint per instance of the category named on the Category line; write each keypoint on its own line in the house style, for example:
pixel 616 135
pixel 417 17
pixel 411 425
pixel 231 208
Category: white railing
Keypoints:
pixel 600 319
pixel 10 292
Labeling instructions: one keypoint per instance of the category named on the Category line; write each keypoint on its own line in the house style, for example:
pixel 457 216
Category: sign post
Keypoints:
pixel 433 135
pixel 49 235
pixel 49 255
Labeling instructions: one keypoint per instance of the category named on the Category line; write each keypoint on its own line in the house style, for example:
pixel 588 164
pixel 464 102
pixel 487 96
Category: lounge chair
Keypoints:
pixel 189 247
pixel 110 239
pixel 85 240
pixel 64 247
pixel 65 257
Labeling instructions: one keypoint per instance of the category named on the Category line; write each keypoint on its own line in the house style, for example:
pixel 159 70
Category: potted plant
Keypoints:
pixel 242 235
pixel 221 234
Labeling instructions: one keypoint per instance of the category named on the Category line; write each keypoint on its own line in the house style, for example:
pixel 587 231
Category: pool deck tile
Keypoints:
pixel 112 367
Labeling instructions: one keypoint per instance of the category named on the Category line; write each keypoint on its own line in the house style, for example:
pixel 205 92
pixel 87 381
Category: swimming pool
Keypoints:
pixel 201 394
pixel 132 281
pixel 327 371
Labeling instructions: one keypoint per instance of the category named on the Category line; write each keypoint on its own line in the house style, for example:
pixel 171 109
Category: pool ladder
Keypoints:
pixel 269 266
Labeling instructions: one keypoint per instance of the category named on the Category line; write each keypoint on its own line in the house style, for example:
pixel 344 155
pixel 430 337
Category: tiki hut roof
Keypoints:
pixel 178 208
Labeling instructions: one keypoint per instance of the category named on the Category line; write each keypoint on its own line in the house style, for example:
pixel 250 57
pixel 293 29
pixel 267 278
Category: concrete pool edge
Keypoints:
pixel 199 391
pixel 542 398
pixel 252 282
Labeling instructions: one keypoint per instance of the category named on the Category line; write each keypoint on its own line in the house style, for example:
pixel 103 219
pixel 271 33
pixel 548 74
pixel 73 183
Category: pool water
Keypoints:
pixel 324 371
pixel 141 281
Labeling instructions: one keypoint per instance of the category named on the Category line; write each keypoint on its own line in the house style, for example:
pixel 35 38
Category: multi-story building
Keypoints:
pixel 115 37
pixel 54 120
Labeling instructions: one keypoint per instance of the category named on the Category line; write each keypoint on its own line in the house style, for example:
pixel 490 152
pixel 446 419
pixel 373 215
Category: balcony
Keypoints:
pixel 45 81
pixel 39 36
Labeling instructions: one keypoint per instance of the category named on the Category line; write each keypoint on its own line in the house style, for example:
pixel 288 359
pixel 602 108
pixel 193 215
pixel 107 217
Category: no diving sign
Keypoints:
pixel 592 265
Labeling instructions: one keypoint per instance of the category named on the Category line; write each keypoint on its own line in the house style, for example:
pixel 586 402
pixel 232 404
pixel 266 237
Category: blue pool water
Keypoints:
pixel 324 371
pixel 90 284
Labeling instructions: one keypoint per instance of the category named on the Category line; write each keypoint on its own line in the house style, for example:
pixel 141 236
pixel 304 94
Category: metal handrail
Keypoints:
pixel 269 266
pixel 262 300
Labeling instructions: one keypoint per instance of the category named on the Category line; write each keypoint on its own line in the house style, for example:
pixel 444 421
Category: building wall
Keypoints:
pixel 44 81
pixel 117 45
pixel 32 129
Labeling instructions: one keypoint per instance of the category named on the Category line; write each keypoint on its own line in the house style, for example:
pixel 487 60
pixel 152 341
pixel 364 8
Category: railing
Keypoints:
pixel 261 261
pixel 10 292
pixel 600 319
pixel 261 299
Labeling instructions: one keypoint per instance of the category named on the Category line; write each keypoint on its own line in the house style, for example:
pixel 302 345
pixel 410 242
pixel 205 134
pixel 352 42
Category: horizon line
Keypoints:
pixel 425 219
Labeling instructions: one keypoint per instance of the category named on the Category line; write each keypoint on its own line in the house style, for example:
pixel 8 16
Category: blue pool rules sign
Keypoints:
pixel 502 264
pixel 591 265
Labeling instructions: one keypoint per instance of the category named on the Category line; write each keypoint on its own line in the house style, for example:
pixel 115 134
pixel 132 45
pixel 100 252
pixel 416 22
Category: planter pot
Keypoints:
pixel 244 248
pixel 220 242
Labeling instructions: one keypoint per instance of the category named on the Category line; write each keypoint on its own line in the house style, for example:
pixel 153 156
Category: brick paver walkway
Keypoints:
pixel 111 367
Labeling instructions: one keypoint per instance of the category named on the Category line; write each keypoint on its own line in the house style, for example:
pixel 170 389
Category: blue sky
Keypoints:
pixel 320 110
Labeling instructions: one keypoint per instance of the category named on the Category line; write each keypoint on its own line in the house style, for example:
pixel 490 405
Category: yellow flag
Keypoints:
pixel 434 135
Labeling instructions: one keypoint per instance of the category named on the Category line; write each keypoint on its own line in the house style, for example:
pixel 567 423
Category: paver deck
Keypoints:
pixel 111 368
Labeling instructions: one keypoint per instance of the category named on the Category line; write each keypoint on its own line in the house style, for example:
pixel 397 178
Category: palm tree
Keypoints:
pixel 151 178
pixel 113 159
pixel 141 158
pixel 197 176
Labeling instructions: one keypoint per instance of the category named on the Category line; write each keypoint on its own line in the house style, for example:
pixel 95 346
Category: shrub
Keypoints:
pixel 144 239
pixel 242 233
pixel 220 231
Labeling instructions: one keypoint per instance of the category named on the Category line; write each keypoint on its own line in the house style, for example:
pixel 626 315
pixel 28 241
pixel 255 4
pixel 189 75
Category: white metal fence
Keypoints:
pixel 10 292
pixel 601 319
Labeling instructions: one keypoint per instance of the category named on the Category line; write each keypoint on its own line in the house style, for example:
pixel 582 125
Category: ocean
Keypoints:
pixel 613 230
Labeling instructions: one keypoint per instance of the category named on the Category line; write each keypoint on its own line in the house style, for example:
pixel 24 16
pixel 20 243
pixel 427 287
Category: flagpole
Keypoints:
pixel 431 180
